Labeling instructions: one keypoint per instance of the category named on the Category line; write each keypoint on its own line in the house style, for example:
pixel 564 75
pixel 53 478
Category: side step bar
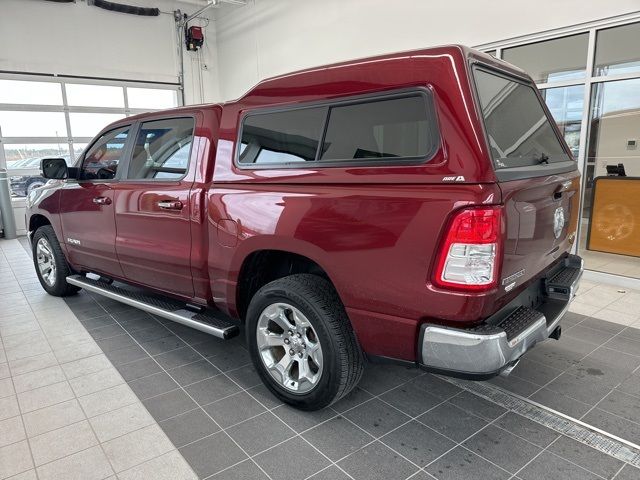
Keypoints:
pixel 164 307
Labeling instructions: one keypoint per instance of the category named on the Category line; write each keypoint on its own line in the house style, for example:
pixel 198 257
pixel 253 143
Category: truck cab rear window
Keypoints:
pixel 377 129
pixel 518 129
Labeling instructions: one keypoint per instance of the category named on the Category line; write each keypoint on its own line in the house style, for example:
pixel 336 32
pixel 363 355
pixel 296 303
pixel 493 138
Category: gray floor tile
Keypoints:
pixel 98 322
pixel 308 460
pixel 438 387
pixel 107 331
pixel 587 457
pixel 624 345
pixel 502 448
pixel 515 384
pixel 377 462
pixel 126 355
pixel 212 454
pixel 152 385
pixel 535 372
pixel 231 360
pixel 189 427
pixel 631 385
pixel 628 473
pixel 169 405
pixel 618 426
pixel 412 398
pixel 153 332
pixel 589 391
pixel 263 395
pixel 524 428
pixel 301 420
pixel 602 325
pixel 461 464
pixel 561 403
pixel 246 376
pixel 609 365
pixel 477 406
pixel 380 378
pixel 623 405
pixel 212 389
pixel 376 417
pixel 162 345
pixel 452 422
pixel 193 372
pixel 234 409
pixel 590 335
pixel 138 369
pixel 178 357
pixel 116 343
pixel 260 433
pixel 107 400
pixel 551 467
pixel 337 438
pixel 246 470
pixel 418 443
pixel 330 473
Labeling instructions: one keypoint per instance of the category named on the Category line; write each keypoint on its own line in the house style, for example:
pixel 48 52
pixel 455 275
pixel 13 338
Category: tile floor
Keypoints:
pixel 91 388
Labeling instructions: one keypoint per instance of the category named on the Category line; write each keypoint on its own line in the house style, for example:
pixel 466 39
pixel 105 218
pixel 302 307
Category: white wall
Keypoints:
pixel 270 37
pixel 78 39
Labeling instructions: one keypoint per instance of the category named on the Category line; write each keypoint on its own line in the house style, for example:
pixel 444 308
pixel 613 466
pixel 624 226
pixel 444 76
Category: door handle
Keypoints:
pixel 170 204
pixel 102 200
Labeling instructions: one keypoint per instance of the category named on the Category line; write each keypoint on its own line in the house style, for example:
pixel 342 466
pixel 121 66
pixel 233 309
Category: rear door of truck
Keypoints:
pixel 538 177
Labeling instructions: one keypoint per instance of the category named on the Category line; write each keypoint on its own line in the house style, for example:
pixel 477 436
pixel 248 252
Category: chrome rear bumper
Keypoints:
pixel 488 349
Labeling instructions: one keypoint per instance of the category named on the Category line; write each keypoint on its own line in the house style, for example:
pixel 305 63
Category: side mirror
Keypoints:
pixel 54 168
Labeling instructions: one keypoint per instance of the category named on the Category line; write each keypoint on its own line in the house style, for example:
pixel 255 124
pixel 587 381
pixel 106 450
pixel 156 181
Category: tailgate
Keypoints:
pixel 541 222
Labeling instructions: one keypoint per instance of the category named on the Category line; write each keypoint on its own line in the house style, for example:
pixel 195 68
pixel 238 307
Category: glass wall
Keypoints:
pixel 59 117
pixel 591 83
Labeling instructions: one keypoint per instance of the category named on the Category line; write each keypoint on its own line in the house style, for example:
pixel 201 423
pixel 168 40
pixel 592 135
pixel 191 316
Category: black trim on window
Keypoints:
pixel 431 117
pixel 531 171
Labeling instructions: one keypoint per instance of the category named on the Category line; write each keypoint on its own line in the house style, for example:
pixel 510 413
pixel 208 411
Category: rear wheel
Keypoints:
pixel 302 343
pixel 51 265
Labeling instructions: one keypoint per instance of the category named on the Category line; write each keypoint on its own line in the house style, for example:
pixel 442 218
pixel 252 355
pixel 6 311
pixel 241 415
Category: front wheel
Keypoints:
pixel 51 265
pixel 301 341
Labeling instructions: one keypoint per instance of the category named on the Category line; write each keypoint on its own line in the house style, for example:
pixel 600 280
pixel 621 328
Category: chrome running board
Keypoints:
pixel 213 323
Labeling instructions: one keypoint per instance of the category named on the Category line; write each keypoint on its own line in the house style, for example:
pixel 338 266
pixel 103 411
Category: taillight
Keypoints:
pixel 469 255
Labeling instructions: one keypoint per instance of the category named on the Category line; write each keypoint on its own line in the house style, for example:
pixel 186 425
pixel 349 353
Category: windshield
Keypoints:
pixel 517 126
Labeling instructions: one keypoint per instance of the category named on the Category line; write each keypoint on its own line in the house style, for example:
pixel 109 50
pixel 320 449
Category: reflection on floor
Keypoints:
pixel 399 423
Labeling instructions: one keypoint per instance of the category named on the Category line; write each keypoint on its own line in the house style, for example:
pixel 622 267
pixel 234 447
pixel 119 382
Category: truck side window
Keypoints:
pixel 393 128
pixel 162 150
pixel 102 159
pixel 282 137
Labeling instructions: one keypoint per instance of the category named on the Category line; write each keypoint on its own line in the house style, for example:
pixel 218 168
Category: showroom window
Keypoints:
pixel 59 117
pixel 591 83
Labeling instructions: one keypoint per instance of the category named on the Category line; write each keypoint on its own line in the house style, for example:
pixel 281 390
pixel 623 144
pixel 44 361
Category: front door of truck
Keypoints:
pixel 86 205
pixel 152 209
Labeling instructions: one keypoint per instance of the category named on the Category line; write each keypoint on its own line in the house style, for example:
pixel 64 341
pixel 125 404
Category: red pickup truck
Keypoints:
pixel 417 207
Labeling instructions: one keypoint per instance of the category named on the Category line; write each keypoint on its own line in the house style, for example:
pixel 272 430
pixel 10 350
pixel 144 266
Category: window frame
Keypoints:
pixel 431 116
pixel 128 145
pixel 138 124
pixel 505 174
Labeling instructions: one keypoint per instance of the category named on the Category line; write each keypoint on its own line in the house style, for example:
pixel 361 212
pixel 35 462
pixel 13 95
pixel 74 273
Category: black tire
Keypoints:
pixel 60 287
pixel 343 361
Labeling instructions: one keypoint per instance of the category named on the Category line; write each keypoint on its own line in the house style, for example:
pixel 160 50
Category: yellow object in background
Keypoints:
pixel 615 216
